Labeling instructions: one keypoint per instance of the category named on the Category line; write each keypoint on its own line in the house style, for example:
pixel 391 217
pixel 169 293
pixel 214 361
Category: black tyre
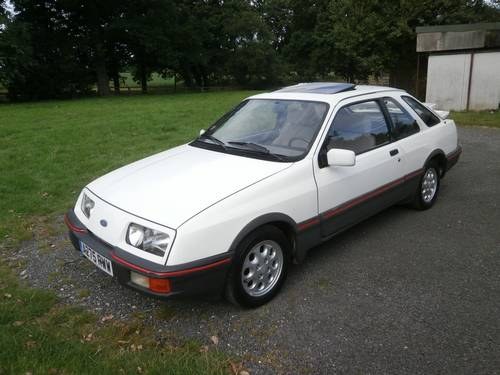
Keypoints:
pixel 428 187
pixel 260 267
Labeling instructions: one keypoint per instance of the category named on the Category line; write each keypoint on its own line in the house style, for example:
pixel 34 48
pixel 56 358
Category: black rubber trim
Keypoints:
pixel 452 157
pixel 260 221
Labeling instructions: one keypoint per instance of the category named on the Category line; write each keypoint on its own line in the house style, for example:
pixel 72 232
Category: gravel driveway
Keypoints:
pixel 404 292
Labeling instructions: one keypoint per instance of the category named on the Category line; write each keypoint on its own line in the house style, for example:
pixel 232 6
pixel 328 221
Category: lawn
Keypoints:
pixel 48 152
pixel 481 118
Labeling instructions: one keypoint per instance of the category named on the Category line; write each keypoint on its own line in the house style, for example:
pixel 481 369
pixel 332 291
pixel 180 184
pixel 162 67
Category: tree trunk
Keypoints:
pixel 102 74
pixel 144 79
pixel 116 83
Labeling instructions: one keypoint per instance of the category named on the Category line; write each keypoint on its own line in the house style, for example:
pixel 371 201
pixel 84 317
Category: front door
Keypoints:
pixel 347 195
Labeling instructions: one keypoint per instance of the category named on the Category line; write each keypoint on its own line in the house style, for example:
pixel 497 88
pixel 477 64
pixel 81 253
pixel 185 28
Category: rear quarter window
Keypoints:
pixel 429 118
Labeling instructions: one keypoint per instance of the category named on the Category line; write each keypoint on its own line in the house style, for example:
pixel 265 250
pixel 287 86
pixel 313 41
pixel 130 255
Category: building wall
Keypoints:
pixel 485 85
pixel 448 81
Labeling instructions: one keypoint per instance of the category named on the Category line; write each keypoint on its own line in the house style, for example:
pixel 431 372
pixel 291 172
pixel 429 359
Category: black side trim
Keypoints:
pixel 452 157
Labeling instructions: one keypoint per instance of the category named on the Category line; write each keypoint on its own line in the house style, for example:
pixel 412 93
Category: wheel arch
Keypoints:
pixel 440 157
pixel 282 221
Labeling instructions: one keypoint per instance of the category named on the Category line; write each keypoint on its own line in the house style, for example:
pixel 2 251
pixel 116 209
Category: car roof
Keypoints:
pixel 329 92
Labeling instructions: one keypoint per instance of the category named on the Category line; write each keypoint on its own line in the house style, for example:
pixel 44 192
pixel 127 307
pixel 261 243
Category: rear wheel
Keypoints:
pixel 260 268
pixel 428 187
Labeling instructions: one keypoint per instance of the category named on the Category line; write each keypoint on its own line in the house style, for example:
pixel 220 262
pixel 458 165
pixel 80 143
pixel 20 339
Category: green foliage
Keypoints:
pixel 38 58
pixel 56 48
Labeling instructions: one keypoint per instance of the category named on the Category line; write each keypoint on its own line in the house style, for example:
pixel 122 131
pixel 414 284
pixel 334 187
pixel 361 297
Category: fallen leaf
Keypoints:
pixel 30 344
pixel 215 340
pixel 18 323
pixel 8 295
pixel 204 349
pixel 234 368
pixel 244 372
pixel 107 317
pixel 139 369
pixel 139 347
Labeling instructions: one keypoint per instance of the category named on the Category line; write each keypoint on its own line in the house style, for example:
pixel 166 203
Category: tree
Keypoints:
pixel 38 60
pixel 148 30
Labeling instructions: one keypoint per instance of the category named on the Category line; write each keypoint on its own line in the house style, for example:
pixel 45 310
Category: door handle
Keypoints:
pixel 394 152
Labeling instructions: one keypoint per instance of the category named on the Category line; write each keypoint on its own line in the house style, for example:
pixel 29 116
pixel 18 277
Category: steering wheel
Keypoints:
pixel 297 139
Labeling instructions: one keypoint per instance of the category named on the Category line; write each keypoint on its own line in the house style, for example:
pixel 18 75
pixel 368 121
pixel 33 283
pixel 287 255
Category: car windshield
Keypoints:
pixel 280 128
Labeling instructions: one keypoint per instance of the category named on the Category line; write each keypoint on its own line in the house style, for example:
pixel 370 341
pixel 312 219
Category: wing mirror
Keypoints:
pixel 338 157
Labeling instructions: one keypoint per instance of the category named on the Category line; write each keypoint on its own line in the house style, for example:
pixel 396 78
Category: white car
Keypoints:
pixel 280 173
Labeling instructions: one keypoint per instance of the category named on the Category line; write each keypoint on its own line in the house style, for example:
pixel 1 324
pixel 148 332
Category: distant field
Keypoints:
pixel 155 81
pixel 482 118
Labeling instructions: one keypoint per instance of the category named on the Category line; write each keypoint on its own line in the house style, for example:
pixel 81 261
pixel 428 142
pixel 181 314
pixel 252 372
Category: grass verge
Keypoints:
pixel 482 118
pixel 39 336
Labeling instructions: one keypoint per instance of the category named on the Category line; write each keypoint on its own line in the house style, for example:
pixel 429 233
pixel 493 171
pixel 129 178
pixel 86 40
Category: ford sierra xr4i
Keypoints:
pixel 227 213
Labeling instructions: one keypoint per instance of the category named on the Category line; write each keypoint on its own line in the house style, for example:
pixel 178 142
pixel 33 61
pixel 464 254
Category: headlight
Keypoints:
pixel 150 240
pixel 87 205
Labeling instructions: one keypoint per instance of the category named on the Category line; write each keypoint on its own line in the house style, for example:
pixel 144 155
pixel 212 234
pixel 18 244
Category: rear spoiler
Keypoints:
pixel 443 114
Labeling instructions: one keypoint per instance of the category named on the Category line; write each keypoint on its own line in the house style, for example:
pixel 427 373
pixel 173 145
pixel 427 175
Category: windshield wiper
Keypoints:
pixel 251 145
pixel 258 148
pixel 213 139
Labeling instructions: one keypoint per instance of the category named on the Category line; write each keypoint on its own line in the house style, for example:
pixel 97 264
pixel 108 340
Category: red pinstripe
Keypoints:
pixel 345 206
pixel 172 273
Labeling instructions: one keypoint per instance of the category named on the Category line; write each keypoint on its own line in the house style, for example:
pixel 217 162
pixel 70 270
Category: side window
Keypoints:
pixel 427 116
pixel 404 124
pixel 358 127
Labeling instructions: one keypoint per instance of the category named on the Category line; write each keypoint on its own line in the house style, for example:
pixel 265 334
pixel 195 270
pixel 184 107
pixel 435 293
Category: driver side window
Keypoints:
pixel 359 127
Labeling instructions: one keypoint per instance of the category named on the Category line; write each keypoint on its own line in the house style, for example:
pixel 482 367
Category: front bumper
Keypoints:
pixel 204 277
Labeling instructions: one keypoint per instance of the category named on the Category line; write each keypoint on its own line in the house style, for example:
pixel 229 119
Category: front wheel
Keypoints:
pixel 260 267
pixel 428 187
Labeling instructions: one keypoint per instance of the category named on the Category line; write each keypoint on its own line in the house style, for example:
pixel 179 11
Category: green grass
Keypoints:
pixel 39 336
pixel 481 118
pixel 50 150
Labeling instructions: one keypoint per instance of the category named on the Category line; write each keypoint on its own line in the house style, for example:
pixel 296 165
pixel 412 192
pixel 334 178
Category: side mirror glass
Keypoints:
pixel 202 131
pixel 338 157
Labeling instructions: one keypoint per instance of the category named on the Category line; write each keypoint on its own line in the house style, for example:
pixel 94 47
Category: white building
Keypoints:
pixel 463 70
